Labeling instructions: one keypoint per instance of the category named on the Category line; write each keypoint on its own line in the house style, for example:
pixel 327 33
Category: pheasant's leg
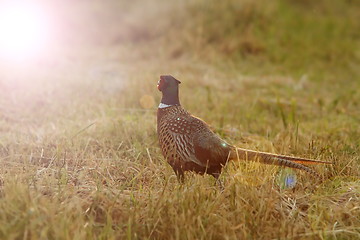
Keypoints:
pixel 218 181
pixel 180 175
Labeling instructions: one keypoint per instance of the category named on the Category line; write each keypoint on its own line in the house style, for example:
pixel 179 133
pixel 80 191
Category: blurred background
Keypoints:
pixel 298 38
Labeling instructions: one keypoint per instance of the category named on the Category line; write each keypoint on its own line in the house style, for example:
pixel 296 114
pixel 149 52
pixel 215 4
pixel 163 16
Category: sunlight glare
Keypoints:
pixel 23 31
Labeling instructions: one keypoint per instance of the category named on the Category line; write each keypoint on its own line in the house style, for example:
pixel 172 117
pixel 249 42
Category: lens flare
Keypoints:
pixel 286 179
pixel 23 30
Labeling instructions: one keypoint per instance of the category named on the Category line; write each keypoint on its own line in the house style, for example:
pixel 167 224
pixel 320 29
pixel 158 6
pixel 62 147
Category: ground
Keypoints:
pixel 79 157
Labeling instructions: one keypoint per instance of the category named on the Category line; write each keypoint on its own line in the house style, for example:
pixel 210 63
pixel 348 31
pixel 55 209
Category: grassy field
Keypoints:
pixel 79 157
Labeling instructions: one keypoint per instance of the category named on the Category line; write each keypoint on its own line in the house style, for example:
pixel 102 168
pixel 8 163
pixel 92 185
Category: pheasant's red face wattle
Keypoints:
pixel 161 84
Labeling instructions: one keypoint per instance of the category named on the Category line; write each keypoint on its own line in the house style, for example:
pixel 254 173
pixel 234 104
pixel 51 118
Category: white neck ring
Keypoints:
pixel 163 105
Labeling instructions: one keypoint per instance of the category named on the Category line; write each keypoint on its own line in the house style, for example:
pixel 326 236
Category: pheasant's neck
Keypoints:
pixel 170 97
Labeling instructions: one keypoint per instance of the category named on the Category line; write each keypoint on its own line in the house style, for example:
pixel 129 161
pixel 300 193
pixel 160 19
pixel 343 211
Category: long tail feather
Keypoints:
pixel 305 161
pixel 274 159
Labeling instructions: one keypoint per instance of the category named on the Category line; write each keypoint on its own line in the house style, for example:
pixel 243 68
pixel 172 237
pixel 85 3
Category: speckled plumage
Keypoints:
pixel 188 144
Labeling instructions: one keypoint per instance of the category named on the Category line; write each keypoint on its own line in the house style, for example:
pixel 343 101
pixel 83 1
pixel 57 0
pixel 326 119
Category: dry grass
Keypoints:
pixel 78 149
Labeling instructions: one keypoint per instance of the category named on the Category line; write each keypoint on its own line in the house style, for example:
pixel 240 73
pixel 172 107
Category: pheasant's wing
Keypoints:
pixel 209 148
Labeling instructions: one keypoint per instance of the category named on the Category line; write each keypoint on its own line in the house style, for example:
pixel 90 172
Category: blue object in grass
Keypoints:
pixel 290 181
pixel 286 179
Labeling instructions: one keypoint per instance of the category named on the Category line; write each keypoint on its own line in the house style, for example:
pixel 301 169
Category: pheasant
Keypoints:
pixel 188 143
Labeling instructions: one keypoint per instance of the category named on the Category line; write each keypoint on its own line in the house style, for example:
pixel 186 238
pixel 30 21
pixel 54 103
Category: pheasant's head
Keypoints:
pixel 167 81
pixel 169 86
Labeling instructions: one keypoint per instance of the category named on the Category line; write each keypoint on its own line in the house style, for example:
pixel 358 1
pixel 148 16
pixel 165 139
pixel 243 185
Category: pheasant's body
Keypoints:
pixel 188 144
